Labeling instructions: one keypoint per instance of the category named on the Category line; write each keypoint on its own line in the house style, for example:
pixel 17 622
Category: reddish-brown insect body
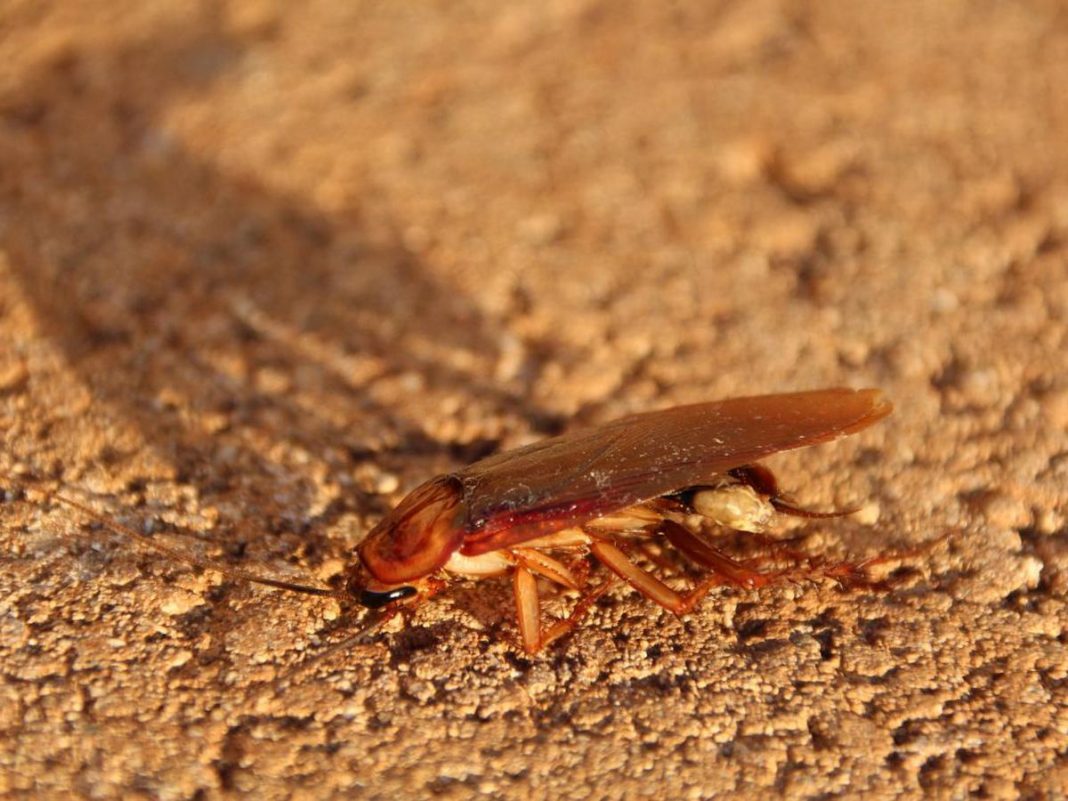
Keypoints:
pixel 626 492
pixel 610 491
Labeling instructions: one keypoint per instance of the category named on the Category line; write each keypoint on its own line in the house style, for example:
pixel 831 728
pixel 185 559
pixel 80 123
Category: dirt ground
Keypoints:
pixel 264 267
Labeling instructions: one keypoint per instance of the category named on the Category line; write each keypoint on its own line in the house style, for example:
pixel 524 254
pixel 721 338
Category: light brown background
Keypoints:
pixel 266 266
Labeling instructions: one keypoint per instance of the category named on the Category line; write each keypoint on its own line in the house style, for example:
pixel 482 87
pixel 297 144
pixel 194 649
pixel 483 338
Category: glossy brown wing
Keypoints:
pixel 598 470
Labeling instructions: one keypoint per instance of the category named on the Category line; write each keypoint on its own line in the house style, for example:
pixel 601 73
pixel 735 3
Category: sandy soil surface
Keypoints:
pixel 264 267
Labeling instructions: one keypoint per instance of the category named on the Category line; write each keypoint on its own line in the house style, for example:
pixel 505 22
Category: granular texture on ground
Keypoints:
pixel 265 267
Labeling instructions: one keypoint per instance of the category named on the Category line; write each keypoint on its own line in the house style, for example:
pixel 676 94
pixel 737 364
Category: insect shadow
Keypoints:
pixel 178 291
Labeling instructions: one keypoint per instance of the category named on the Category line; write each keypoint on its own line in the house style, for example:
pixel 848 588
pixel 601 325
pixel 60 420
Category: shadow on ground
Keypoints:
pixel 179 292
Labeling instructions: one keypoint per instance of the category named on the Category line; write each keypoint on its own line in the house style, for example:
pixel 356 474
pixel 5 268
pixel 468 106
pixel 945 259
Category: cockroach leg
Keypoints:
pixel 568 538
pixel 780 546
pixel 580 569
pixel 562 627
pixel 708 557
pixel 528 608
pixel 855 574
pixel 633 518
pixel 649 585
pixel 545 566
pixel 528 563
pixel 848 574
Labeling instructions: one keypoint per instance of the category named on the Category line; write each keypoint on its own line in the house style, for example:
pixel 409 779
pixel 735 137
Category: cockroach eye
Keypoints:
pixel 376 600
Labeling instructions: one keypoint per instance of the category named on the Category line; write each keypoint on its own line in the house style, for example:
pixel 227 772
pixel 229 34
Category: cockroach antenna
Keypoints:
pixel 233 573
pixel 369 598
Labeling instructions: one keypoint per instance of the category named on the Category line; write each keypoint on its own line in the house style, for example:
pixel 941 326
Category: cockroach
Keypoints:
pixel 609 492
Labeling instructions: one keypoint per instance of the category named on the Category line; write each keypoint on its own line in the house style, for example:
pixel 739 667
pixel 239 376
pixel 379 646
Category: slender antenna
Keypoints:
pixel 195 561
pixel 369 626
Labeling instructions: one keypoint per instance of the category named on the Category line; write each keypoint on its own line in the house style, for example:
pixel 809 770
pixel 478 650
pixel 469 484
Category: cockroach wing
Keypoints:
pixel 634 459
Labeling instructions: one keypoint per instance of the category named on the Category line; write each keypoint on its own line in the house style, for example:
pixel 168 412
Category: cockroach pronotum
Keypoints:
pixel 654 479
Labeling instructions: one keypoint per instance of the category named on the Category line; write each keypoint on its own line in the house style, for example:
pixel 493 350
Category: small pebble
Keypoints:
pixel 1055 408
pixel 944 301
pixel 178 603
pixel 1031 568
pixel 332 610
pixel 745 161
pixel 387 484
pixel 370 479
pixel 13 377
pixel 1048 521
pixel 868 514
pixel 540 229
pixel 180 658
pixel 981 388
pixel 1004 511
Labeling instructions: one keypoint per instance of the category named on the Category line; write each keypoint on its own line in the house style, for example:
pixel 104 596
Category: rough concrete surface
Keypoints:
pixel 266 266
